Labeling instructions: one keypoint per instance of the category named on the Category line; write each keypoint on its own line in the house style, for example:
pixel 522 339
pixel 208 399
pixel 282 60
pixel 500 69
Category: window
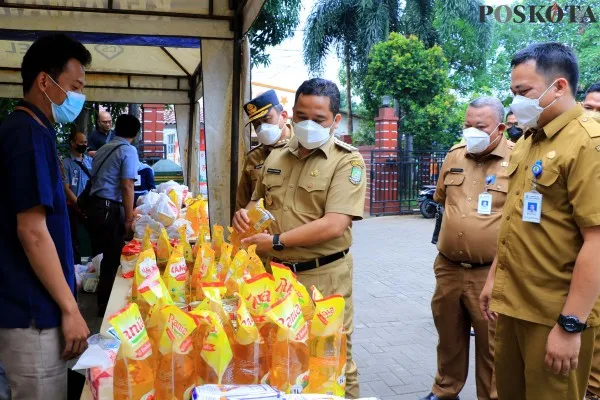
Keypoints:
pixel 170 143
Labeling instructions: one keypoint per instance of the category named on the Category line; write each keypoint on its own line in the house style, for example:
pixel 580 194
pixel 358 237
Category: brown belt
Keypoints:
pixel 312 264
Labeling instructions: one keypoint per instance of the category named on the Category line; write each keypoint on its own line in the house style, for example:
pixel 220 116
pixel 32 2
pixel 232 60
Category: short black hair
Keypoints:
pixel 553 60
pixel 508 114
pixel 594 88
pixel 50 54
pixel 73 134
pixel 127 126
pixel 321 87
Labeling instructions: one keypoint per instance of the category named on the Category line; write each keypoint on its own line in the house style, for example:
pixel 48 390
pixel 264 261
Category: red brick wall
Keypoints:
pixel 154 125
pixel 365 152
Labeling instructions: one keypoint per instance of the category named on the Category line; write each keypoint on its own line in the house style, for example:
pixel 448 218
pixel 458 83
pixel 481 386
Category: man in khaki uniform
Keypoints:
pixel 267 116
pixel 472 188
pixel 314 187
pixel 545 280
pixel 591 104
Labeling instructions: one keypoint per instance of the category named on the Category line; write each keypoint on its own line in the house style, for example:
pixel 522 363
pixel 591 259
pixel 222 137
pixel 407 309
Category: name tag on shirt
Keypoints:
pixel 75 177
pixel 138 180
pixel 484 205
pixel 532 207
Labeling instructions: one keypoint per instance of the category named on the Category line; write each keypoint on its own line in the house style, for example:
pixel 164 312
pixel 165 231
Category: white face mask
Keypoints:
pixel 477 140
pixel 268 134
pixel 311 135
pixel 528 110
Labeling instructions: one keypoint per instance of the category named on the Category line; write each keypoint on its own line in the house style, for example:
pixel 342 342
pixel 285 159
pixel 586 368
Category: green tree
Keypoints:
pixel 276 22
pixel 351 28
pixel 454 26
pixel 508 38
pixel 417 78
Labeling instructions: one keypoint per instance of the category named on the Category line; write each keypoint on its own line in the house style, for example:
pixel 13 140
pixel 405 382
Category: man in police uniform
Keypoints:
pixel 77 167
pixel 314 187
pixel 269 120
pixel 544 284
pixel 472 188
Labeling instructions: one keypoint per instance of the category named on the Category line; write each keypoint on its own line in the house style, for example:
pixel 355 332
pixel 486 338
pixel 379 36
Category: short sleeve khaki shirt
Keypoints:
pixel 297 191
pixel 536 261
pixel 252 170
pixel 467 236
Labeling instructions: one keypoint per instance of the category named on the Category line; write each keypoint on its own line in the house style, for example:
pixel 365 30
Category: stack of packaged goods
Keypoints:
pixel 212 315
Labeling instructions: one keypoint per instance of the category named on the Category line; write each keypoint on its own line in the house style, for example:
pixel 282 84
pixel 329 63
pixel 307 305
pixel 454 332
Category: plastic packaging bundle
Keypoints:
pixel 99 360
pixel 165 211
pixel 260 219
pixel 177 277
pixel 129 256
pixel 289 352
pixel 133 372
pixel 176 374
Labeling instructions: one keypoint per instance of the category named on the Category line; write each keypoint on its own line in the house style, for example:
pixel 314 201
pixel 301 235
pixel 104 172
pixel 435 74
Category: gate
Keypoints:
pixel 397 177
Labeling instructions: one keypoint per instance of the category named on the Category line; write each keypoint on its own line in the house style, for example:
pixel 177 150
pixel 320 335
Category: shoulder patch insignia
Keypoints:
pixel 255 148
pixel 356 173
pixel 344 145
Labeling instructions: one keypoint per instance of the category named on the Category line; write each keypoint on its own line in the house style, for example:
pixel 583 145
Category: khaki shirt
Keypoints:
pixel 252 169
pixel 467 236
pixel 536 261
pixel 296 191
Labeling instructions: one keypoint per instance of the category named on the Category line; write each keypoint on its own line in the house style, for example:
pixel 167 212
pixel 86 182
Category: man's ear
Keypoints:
pixel 562 86
pixel 42 81
pixel 284 116
pixel 501 129
pixel 336 121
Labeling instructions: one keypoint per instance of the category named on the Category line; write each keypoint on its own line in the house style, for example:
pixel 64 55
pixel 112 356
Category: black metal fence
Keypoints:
pixel 397 177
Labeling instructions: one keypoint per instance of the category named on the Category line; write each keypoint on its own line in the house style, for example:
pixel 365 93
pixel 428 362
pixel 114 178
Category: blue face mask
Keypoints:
pixel 70 108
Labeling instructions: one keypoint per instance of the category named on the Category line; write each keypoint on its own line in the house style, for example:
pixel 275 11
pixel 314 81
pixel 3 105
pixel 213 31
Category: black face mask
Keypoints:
pixel 514 133
pixel 81 148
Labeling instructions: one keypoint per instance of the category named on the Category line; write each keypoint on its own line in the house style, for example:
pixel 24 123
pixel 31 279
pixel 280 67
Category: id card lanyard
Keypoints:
pixel 532 201
pixel 484 205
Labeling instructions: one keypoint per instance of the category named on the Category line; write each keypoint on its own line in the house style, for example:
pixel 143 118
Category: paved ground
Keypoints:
pixel 395 339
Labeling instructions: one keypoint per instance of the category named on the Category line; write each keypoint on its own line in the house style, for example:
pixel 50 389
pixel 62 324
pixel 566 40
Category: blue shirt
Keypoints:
pixel 122 164
pixel 144 181
pixel 30 172
pixel 75 176
pixel 98 139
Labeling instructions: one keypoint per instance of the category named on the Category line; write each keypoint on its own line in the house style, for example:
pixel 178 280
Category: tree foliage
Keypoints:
pixel 350 28
pixel 276 22
pixel 417 78
pixel 509 38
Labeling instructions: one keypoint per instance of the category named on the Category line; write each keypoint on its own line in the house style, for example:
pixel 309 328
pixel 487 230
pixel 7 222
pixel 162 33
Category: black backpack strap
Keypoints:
pixel 106 158
pixel 84 168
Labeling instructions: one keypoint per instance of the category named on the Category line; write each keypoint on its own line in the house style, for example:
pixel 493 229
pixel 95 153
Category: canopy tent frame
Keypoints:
pixel 219 27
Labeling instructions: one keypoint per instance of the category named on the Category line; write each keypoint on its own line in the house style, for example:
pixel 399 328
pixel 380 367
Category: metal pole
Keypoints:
pixel 235 106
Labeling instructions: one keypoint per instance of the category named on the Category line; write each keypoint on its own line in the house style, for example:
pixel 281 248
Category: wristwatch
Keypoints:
pixel 571 324
pixel 277 245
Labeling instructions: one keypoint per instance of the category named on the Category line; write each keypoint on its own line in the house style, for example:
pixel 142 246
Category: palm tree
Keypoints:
pixel 351 28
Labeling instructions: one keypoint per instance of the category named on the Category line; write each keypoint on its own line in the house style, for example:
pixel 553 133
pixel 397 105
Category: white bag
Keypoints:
pixel 140 227
pixel 164 187
pixel 143 209
pixel 151 198
pixel 165 211
pixel 173 232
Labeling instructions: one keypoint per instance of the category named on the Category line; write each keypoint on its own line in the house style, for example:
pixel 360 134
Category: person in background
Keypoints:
pixel 512 128
pixel 144 181
pixel 315 187
pixel 591 104
pixel 77 166
pixel 269 119
pixel 102 134
pixel 472 188
pixel 110 213
pixel 40 323
pixel 544 284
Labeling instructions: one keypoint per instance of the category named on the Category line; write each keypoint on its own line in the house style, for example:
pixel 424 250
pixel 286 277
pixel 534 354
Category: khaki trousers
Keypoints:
pixel 336 278
pixel 521 372
pixel 33 364
pixel 594 381
pixel 455 307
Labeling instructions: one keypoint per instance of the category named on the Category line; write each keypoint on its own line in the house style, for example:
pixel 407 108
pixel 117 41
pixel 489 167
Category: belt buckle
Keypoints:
pixel 466 265
pixel 293 266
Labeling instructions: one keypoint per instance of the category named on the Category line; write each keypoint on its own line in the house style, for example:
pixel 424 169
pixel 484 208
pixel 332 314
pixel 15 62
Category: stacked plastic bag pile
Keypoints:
pixel 211 314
